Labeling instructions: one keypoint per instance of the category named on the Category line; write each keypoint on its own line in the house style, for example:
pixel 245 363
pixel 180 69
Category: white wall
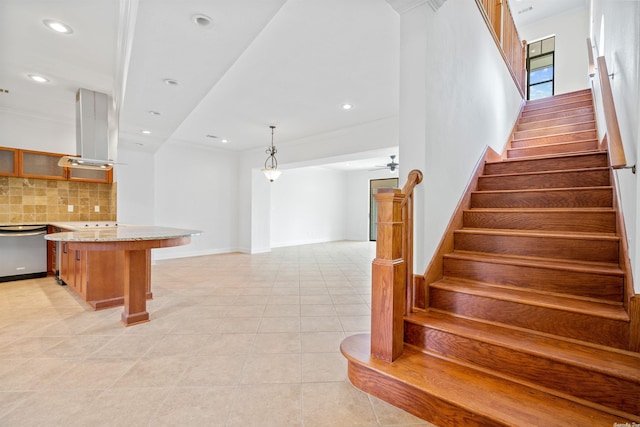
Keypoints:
pixel 136 187
pixel 195 188
pixel 621 50
pixel 321 149
pixel 308 206
pixel 37 133
pixel 357 204
pixel 456 97
pixel 571 30
pixel 260 226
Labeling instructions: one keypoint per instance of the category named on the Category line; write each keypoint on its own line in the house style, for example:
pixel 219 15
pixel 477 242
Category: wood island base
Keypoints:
pixel 131 264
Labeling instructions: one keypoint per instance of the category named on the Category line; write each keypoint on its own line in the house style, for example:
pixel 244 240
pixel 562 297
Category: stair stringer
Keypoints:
pixel 631 299
pixel 434 270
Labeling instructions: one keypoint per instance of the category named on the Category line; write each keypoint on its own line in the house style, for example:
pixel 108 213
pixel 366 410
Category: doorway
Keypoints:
pixel 374 186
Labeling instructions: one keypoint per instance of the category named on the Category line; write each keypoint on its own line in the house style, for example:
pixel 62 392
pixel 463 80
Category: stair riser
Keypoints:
pixel 592 178
pixel 560 148
pixel 581 118
pixel 555 139
pixel 533 133
pixel 532 110
pixel 585 284
pixel 554 114
pixel 591 250
pixel 578 198
pixel 579 381
pixel 586 222
pixel 542 165
pixel 566 324
pixel 563 97
pixel 556 102
pixel 413 400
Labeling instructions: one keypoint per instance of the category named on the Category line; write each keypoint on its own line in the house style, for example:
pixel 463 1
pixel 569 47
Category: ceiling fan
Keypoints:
pixel 392 166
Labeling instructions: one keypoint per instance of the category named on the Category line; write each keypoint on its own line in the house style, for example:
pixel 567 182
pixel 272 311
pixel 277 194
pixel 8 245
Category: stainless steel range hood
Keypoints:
pixel 92 132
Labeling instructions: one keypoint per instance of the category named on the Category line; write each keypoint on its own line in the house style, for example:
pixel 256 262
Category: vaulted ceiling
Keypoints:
pixel 204 71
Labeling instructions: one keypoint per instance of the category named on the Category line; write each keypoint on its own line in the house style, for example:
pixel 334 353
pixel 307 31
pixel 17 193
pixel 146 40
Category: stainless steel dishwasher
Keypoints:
pixel 23 252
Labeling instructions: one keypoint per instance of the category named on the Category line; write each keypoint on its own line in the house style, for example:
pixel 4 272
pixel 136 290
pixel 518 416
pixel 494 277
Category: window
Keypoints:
pixel 540 62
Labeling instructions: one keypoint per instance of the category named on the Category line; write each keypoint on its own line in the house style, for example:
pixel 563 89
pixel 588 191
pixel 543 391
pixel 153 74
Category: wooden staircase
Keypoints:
pixel 527 325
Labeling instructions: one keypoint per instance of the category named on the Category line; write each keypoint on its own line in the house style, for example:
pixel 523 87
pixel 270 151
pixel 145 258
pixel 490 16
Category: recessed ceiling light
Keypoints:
pixel 202 20
pixel 347 106
pixel 154 113
pixel 171 82
pixel 58 26
pixel 146 132
pixel 38 78
pixel 224 141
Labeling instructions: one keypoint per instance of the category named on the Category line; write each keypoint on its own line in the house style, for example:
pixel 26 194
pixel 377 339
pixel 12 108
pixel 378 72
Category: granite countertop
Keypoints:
pixel 113 233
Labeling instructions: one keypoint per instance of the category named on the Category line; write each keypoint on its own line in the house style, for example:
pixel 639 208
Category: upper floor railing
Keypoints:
pixel 499 19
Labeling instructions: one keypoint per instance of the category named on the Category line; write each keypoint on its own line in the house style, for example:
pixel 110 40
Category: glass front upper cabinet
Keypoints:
pixel 8 161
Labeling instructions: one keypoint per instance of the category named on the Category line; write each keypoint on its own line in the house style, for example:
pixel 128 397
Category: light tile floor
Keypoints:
pixel 234 340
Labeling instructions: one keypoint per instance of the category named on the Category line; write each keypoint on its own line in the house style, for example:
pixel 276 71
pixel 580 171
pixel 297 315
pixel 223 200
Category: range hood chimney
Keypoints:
pixel 92 132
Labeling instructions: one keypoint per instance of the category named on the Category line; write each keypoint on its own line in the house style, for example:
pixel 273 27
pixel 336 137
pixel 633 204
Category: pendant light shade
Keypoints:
pixel 270 169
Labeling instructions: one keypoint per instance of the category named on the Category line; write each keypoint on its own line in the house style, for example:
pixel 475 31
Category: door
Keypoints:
pixel 374 186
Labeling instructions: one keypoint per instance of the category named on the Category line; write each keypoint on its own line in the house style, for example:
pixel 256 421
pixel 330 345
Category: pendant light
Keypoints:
pixel 270 169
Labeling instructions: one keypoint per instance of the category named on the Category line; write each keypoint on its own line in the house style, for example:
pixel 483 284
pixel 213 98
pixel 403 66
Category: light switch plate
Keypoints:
pixel 69 208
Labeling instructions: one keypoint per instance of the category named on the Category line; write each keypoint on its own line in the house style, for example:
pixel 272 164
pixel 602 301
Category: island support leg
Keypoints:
pixel 137 269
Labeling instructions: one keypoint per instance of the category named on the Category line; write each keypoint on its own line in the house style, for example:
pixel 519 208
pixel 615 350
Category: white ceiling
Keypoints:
pixel 288 63
pixel 528 11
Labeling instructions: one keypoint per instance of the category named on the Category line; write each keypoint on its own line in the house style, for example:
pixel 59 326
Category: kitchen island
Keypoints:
pixel 129 267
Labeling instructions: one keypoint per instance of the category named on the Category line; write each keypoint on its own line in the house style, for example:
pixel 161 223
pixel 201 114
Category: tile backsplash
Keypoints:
pixel 28 201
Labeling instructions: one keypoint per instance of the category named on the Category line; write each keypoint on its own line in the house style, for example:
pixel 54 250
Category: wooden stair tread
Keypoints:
pixel 533 138
pixel 535 233
pixel 554 128
pixel 553 301
pixel 606 360
pixel 542 123
pixel 550 156
pixel 563 97
pixel 567 265
pixel 499 401
pixel 542 210
pixel 542 190
pixel 555 171
pixel 528 117
pixel 574 235
pixel 572 104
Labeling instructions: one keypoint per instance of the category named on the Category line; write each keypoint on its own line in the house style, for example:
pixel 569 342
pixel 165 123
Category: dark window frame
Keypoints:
pixel 553 65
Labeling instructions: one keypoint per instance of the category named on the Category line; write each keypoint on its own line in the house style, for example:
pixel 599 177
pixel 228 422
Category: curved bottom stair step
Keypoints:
pixel 449 394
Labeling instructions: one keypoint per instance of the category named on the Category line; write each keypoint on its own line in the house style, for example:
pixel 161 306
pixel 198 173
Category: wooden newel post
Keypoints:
pixel 388 276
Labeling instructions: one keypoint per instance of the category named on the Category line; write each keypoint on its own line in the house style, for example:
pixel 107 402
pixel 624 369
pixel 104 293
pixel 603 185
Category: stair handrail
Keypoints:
pixel 612 134
pixel 614 139
pixel 592 67
pixel 392 269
